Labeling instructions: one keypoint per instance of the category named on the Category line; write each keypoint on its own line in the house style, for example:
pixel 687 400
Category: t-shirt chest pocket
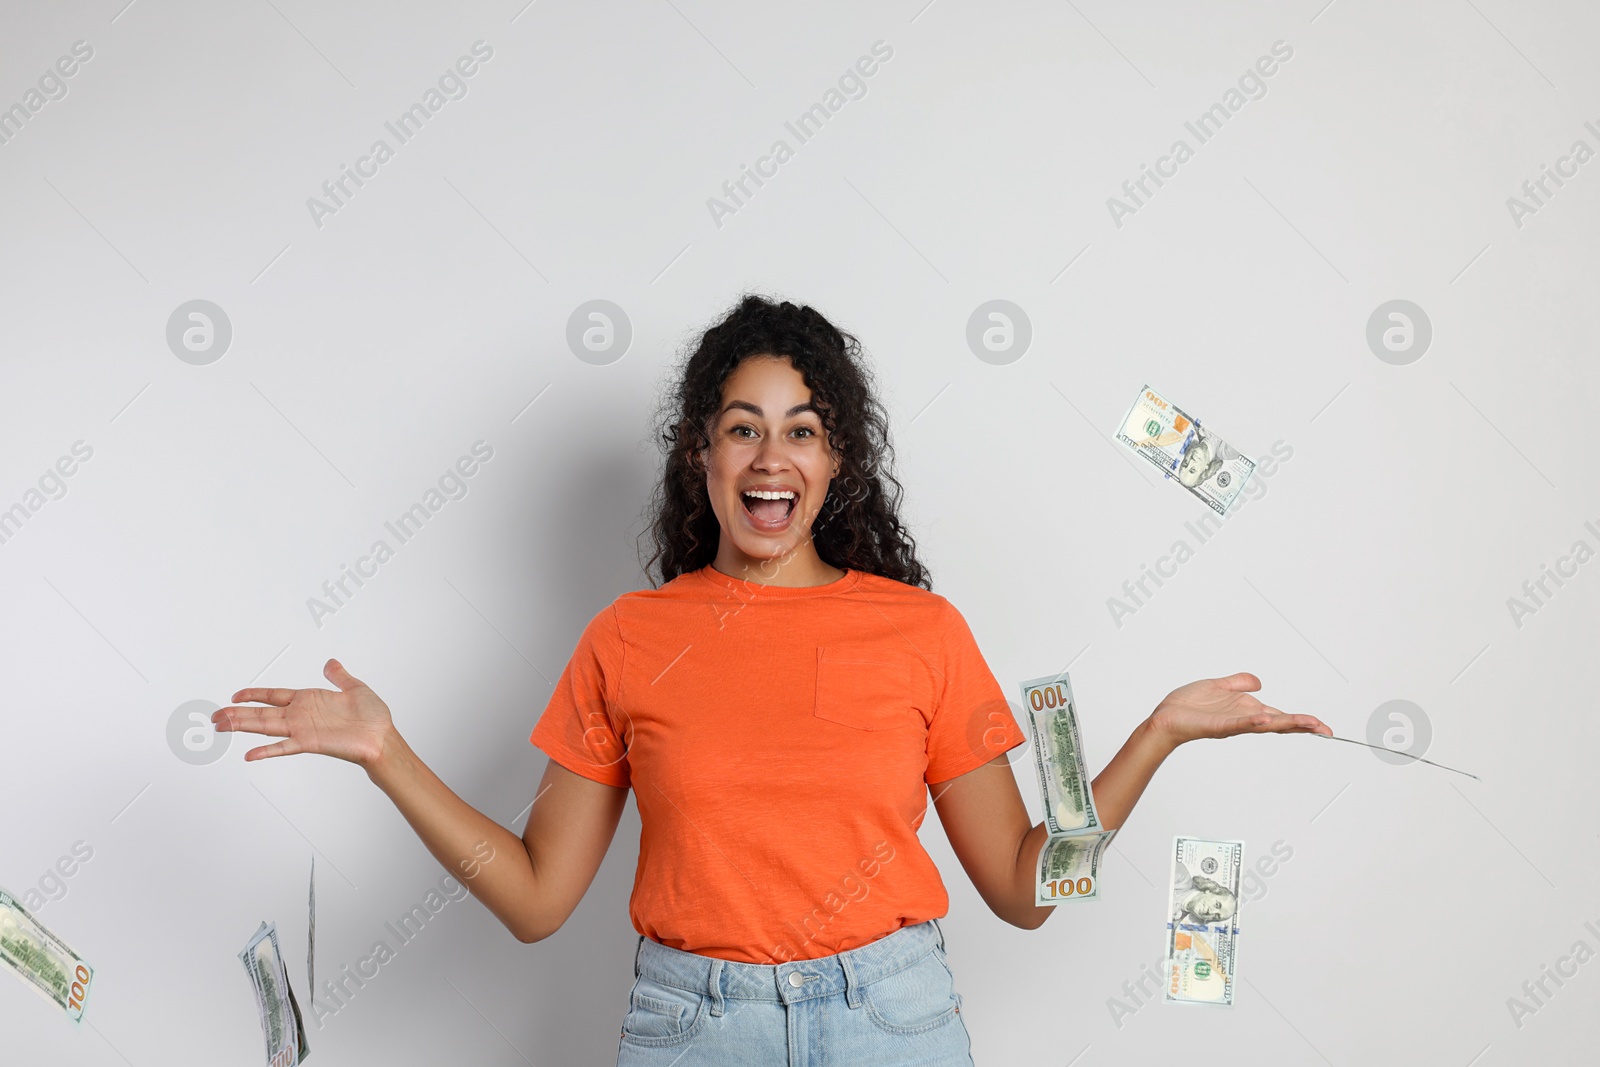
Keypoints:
pixel 867 690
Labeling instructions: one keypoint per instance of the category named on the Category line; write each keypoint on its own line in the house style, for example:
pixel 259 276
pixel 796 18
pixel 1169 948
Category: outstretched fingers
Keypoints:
pixel 269 721
pixel 1310 724
pixel 1271 720
pixel 277 697
pixel 288 747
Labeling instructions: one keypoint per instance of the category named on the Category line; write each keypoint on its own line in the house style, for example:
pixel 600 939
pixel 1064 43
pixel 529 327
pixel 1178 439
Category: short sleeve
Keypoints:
pixel 972 723
pixel 582 727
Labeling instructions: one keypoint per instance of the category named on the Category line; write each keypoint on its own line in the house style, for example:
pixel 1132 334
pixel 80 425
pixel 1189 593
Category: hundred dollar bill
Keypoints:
pixel 1069 861
pixel 43 960
pixel 1203 921
pixel 1174 441
pixel 1058 755
pixel 279 1012
pixel 311 934
pixel 1069 867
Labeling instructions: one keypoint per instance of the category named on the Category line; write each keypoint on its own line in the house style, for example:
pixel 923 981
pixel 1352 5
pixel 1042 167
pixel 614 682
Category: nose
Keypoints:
pixel 770 456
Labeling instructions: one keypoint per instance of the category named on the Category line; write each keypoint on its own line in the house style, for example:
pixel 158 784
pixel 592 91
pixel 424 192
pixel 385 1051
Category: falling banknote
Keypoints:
pixel 311 933
pixel 1069 862
pixel 1069 867
pixel 1058 754
pixel 1203 921
pixel 42 959
pixel 279 1012
pixel 1174 441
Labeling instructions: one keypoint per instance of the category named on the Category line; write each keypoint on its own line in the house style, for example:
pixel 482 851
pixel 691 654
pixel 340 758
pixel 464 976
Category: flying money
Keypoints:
pixel 1400 752
pixel 1069 867
pixel 43 960
pixel 311 935
pixel 1203 921
pixel 1058 755
pixel 1175 442
pixel 279 1012
pixel 1069 860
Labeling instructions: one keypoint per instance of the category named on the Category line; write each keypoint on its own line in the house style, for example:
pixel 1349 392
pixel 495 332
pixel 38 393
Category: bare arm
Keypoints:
pixel 998 845
pixel 531 884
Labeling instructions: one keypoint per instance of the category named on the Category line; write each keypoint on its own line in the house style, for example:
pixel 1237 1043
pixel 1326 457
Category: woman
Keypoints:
pixel 781 705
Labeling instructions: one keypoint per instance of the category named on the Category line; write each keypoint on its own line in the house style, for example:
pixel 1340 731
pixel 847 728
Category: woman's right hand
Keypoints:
pixel 352 724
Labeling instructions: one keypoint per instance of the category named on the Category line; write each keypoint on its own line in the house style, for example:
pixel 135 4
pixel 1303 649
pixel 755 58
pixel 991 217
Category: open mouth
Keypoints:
pixel 768 507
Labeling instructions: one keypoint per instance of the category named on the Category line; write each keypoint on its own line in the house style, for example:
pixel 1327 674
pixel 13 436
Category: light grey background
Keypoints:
pixel 431 312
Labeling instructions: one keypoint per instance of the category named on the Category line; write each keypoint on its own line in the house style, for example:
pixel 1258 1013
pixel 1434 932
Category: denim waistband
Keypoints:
pixel 843 972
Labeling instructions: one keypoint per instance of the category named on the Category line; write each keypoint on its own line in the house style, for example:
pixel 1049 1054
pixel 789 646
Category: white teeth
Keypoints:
pixel 770 494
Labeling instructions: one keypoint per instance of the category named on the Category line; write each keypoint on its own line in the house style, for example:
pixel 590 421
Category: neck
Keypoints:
pixel 802 567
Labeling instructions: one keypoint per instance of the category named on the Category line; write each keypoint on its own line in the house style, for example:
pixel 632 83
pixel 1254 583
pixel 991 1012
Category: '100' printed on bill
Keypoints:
pixel 1203 921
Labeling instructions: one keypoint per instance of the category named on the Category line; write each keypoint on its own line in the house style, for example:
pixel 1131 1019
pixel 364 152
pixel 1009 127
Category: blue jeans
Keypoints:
pixel 889 1004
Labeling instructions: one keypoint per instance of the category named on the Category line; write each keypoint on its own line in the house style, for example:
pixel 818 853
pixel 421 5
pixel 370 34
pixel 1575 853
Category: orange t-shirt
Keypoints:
pixel 779 742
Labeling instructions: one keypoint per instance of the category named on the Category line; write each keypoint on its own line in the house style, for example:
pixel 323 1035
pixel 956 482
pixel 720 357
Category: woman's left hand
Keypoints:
pixel 1223 707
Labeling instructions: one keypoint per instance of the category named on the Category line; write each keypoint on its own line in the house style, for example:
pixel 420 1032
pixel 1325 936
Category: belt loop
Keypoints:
pixel 852 984
pixel 715 985
pixel 636 950
pixel 940 931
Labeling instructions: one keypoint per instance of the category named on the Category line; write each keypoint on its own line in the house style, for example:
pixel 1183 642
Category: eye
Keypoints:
pixel 807 430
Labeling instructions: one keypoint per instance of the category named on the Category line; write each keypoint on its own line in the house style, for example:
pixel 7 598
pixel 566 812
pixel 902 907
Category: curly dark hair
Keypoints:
pixel 858 525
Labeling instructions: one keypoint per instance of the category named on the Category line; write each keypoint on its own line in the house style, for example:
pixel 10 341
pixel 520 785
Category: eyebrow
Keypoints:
pixel 745 405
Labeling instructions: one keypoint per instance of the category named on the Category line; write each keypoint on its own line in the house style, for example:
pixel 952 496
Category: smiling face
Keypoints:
pixel 767 473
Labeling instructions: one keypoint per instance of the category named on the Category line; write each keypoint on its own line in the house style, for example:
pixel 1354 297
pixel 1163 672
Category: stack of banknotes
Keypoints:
pixel 43 960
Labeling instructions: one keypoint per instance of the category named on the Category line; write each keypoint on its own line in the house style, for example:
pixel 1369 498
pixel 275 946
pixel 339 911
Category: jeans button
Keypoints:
pixel 796 980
